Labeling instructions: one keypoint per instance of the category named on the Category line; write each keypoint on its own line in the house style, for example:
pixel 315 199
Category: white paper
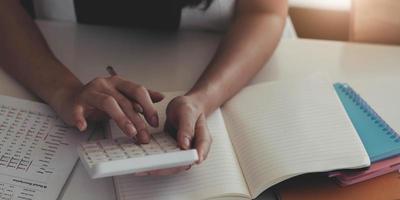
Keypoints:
pixel 283 129
pixel 37 150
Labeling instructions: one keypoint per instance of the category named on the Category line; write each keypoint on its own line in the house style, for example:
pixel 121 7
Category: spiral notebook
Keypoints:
pixel 379 139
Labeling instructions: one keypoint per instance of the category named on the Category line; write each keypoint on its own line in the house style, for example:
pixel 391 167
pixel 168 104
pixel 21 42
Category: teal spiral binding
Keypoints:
pixel 378 147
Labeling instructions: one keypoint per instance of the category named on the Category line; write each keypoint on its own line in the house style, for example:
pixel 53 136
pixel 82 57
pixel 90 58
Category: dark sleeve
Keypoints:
pixel 159 14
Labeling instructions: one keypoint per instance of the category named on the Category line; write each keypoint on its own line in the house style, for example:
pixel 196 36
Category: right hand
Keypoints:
pixel 111 97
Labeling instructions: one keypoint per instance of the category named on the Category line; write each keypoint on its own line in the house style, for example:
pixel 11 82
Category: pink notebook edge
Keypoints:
pixel 376 169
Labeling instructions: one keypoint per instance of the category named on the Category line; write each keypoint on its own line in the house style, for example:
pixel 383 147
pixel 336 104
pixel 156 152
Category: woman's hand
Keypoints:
pixel 121 100
pixel 186 119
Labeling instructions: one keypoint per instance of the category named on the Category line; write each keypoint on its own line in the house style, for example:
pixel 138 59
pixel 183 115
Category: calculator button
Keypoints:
pixel 169 146
pixel 154 151
pixel 135 150
pixel 98 156
pixel 118 157
pixel 95 154
pixel 135 154
pixel 149 147
pixel 87 158
pixel 132 147
pixel 93 150
pixel 114 152
pixel 100 159
pixel 90 146
pixel 174 149
pixel 90 163
pixel 110 147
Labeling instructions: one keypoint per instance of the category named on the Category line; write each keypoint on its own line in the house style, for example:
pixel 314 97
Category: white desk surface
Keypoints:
pixel 144 56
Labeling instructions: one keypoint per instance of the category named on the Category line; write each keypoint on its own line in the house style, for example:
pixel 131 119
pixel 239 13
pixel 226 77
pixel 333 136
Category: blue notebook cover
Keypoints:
pixel 380 141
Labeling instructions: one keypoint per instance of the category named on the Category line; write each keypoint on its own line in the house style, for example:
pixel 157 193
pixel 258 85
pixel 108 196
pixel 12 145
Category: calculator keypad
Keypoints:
pixel 123 148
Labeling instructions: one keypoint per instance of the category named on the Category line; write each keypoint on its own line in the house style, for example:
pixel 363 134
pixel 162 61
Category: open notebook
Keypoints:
pixel 264 135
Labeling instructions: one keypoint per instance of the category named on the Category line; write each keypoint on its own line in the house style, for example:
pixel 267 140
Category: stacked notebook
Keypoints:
pixel 381 142
pixel 379 181
pixel 320 187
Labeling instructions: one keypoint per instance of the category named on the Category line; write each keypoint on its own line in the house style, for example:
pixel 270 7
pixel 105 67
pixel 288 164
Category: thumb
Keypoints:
pixel 186 129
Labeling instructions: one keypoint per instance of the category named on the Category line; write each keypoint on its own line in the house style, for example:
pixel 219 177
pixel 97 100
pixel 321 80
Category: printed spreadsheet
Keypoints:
pixel 37 150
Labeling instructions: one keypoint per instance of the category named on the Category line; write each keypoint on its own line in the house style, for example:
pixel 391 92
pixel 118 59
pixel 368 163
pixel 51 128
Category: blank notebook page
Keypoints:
pixel 283 129
pixel 219 174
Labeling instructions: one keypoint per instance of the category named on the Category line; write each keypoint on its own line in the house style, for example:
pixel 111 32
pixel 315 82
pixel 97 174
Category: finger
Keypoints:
pixel 141 95
pixel 203 138
pixel 109 105
pixel 127 107
pixel 169 171
pixel 186 126
pixel 137 107
pixel 79 118
pixel 155 96
pixel 143 135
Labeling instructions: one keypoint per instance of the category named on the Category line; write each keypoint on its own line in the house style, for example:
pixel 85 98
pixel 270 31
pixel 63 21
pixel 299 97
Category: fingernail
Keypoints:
pixel 200 159
pixel 186 143
pixel 154 120
pixel 144 136
pixel 81 125
pixel 131 129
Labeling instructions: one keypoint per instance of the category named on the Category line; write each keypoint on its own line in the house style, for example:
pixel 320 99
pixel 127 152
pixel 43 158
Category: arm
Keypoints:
pixel 26 56
pixel 252 38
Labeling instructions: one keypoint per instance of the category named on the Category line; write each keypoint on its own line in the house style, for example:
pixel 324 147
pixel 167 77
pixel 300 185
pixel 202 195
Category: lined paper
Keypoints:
pixel 219 175
pixel 280 130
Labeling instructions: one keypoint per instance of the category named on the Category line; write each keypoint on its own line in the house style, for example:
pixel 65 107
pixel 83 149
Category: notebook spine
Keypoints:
pixel 364 106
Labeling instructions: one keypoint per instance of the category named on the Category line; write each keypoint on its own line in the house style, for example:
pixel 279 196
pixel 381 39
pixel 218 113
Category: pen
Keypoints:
pixel 111 70
pixel 135 105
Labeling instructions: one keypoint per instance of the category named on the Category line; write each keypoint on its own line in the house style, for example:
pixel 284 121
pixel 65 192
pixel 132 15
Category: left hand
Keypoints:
pixel 186 118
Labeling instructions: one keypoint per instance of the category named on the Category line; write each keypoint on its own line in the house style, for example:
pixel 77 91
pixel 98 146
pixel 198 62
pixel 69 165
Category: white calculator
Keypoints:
pixel 113 157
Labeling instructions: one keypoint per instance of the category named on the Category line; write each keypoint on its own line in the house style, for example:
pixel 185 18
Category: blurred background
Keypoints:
pixel 369 21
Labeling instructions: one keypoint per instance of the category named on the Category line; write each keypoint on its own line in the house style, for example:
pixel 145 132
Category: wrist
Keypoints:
pixel 202 99
pixel 64 93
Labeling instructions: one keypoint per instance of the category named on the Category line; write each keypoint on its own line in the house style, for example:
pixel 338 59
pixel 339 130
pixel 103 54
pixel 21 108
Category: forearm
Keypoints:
pixel 248 44
pixel 25 55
